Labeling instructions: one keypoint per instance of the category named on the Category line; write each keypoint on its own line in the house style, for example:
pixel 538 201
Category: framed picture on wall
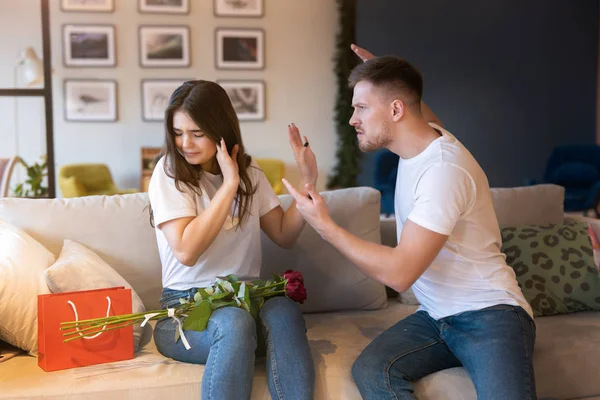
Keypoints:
pixel 148 156
pixel 89 45
pixel 240 48
pixel 90 100
pixel 87 6
pixel 239 8
pixel 164 6
pixel 155 97
pixel 164 46
pixel 247 97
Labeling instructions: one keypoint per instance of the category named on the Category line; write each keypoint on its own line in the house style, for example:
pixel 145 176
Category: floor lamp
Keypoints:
pixel 30 70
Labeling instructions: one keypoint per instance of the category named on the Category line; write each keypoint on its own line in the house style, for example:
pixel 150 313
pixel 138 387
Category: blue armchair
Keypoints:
pixel 386 169
pixel 577 169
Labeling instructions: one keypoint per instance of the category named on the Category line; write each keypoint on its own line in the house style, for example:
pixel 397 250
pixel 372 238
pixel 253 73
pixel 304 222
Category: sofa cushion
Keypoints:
pixel 566 354
pixel 332 281
pixel 22 264
pixel 554 265
pixel 79 268
pixel 116 227
pixel 529 205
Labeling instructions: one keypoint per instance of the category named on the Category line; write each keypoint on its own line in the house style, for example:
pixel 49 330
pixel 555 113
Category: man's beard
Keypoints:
pixel 380 141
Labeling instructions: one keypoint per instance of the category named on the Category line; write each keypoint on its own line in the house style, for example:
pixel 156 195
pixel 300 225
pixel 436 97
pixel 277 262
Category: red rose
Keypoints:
pixel 294 287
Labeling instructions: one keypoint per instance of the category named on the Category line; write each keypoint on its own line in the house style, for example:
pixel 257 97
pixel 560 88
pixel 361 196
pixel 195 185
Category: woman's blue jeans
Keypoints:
pixel 495 346
pixel 227 347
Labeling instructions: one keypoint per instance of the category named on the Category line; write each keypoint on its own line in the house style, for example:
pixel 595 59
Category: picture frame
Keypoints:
pixel 90 100
pixel 239 8
pixel 148 157
pixel 155 97
pixel 164 46
pixel 164 6
pixel 89 45
pixel 247 97
pixel 238 48
pixel 107 6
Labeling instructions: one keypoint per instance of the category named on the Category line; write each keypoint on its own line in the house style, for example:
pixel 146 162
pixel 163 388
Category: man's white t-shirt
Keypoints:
pixel 444 189
pixel 234 251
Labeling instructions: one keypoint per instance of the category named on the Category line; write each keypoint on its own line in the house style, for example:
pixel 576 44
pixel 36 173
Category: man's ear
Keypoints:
pixel 397 108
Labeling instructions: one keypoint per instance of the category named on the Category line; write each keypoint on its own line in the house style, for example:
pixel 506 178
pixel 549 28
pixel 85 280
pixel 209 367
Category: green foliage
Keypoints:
pixel 348 154
pixel 33 185
pixel 228 291
pixel 197 318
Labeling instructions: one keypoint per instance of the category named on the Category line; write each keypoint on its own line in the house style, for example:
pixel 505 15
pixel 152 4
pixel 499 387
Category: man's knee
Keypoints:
pixel 367 367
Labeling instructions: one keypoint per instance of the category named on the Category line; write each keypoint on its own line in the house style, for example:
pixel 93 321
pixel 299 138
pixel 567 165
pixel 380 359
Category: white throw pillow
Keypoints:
pixel 22 264
pixel 79 268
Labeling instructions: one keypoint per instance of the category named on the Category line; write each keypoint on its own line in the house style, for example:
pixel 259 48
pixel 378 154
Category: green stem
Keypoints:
pixel 102 323
pixel 106 330
pixel 93 321
pixel 66 325
pixel 278 292
pixel 269 286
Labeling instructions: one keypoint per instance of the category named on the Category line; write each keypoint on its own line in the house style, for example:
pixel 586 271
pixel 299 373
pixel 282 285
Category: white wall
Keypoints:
pixel 300 84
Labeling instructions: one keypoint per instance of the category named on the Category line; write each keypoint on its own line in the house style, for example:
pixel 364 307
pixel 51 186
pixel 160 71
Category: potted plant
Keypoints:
pixel 34 184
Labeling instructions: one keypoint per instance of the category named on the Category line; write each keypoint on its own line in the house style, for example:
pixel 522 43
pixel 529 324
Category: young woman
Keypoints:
pixel 208 206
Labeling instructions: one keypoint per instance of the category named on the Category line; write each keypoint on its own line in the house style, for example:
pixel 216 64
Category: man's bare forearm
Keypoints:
pixel 375 260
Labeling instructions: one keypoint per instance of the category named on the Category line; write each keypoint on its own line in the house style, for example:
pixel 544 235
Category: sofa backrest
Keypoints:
pixel 529 205
pixel 117 228
pixel 526 205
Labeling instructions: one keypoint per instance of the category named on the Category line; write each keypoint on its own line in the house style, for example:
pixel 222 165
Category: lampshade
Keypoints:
pixel 31 67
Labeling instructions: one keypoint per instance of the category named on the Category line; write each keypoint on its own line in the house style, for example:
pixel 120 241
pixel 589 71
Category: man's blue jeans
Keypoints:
pixel 495 346
pixel 228 346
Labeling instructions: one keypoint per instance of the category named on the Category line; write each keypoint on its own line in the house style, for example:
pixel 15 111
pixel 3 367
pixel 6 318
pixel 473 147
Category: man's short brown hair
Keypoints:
pixel 394 75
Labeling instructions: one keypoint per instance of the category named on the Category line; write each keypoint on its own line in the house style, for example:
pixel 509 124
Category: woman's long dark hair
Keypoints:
pixel 208 105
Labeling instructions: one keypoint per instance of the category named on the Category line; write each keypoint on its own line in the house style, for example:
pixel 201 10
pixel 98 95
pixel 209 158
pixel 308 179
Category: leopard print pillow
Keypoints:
pixel 555 266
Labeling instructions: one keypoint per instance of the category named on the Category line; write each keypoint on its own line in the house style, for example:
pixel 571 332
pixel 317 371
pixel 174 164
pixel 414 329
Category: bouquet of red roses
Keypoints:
pixel 227 291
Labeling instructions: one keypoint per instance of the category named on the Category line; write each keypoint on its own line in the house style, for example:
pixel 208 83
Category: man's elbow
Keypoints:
pixel 400 284
pixel 400 287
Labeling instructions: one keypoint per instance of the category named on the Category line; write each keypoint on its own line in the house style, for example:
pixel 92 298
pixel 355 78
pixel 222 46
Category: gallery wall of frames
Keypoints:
pixel 160 46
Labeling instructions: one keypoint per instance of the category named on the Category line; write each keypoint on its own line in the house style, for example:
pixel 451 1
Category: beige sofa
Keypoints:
pixel 117 229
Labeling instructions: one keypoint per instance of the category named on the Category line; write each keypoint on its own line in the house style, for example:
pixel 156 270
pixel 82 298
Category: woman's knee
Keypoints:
pixel 280 309
pixel 232 321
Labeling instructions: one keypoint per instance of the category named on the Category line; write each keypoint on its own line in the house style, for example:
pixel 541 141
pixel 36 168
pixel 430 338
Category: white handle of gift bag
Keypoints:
pixel 77 319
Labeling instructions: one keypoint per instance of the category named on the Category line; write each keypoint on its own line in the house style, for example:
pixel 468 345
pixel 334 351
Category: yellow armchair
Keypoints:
pixel 274 170
pixel 76 180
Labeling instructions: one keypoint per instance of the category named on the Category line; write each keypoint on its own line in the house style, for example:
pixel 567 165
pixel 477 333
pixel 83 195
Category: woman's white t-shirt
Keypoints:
pixel 234 251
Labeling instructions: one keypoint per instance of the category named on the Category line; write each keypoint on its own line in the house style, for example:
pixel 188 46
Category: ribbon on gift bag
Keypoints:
pixel 100 347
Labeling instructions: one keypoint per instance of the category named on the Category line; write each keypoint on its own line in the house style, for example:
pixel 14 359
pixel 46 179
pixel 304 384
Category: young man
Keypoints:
pixel 472 312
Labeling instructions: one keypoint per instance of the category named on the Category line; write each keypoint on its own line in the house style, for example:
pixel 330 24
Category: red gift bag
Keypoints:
pixel 103 347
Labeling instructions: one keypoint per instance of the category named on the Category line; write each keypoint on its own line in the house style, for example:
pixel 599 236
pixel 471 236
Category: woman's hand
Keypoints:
pixel 305 158
pixel 228 164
